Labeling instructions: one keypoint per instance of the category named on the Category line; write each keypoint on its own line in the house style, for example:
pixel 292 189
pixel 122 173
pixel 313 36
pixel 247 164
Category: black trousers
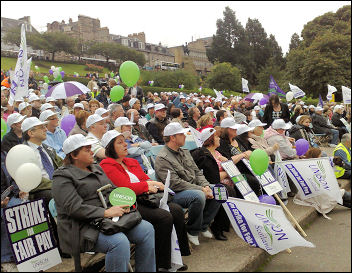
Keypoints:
pixel 162 222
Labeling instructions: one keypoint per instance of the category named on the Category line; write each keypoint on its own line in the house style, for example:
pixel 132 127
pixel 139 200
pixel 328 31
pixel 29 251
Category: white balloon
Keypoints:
pixel 36 67
pixel 289 96
pixel 28 176
pixel 45 85
pixel 56 73
pixel 53 67
pixel 19 155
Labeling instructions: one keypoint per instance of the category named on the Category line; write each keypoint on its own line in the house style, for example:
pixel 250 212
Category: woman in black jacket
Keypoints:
pixel 275 110
pixel 302 130
pixel 209 160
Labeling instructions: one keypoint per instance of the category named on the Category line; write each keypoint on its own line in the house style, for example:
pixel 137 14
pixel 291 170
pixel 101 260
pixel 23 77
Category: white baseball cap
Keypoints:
pixel 33 98
pixel 243 128
pixel 76 141
pixel 229 122
pixel 207 101
pixel 174 128
pixel 46 114
pixel 42 97
pixel 182 97
pixel 108 136
pixel 150 105
pixel 19 100
pixel 14 118
pixel 46 106
pixel 79 105
pixel 4 88
pixel 23 105
pixel 159 106
pixel 311 106
pixel 49 99
pixel 155 94
pixel 339 106
pixel 301 102
pixel 256 123
pixel 280 124
pixel 101 111
pixel 209 109
pixel 239 117
pixel 132 101
pixel 95 88
pixel 93 119
pixel 256 108
pixel 318 108
pixel 31 122
pixel 122 121
pixel 206 133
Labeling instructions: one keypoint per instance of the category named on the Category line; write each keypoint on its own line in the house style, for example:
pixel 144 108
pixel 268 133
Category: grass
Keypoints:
pixel 44 66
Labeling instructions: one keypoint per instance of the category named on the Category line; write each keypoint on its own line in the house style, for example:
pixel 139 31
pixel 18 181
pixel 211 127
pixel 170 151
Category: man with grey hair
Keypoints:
pixel 139 129
pixel 115 111
pixel 343 151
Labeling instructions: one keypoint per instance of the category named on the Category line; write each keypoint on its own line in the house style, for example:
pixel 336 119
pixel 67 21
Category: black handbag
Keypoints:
pixel 125 223
pixel 152 200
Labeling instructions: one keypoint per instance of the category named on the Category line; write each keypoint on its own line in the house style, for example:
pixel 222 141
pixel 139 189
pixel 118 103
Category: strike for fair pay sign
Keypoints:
pixel 30 236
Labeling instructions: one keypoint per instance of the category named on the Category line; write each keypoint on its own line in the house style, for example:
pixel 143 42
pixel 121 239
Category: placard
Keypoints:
pixel 239 181
pixel 267 180
pixel 31 237
pixel 122 196
pixel 220 193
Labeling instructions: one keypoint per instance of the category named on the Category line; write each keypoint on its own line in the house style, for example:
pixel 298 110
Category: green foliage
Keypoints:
pixel 324 55
pixel 264 77
pixel 224 76
pixel 13 36
pixel 295 41
pixel 169 79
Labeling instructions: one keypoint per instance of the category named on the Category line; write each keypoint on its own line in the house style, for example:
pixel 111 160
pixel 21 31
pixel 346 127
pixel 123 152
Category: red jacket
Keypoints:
pixel 118 175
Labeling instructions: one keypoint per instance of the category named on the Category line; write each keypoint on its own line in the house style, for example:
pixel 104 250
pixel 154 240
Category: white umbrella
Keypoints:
pixel 67 89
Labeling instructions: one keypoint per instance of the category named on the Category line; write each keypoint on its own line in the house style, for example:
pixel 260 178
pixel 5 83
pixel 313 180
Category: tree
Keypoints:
pixel 295 41
pixel 324 55
pixel 13 36
pixel 271 68
pixel 224 76
pixel 105 49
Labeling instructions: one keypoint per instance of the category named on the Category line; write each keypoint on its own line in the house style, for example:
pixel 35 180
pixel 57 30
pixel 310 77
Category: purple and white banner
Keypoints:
pixel 263 225
pixel 313 177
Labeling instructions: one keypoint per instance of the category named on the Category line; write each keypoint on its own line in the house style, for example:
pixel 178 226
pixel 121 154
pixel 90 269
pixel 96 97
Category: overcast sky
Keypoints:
pixel 174 23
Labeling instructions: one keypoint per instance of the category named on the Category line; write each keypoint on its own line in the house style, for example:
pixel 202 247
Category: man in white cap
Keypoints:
pixel 311 110
pixel 46 106
pixel 77 107
pixel 276 134
pixel 136 104
pixel 321 126
pixel 97 127
pixel 138 129
pixel 25 109
pixel 55 136
pixel 36 104
pixel 157 124
pixel 192 190
pixel 34 133
pixel 336 120
pixel 14 136
pixel 115 111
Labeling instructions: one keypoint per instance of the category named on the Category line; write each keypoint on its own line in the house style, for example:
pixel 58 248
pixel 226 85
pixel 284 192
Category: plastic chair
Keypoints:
pixel 52 209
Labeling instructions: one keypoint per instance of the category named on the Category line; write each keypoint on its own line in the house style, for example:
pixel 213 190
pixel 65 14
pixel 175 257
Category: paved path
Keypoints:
pixel 332 252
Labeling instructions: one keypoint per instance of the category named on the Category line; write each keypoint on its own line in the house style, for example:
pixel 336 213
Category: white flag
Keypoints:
pixel 331 89
pixel 19 81
pixel 218 95
pixel 263 225
pixel 245 85
pixel 176 258
pixel 313 177
pixel 346 94
pixel 196 136
pixel 297 92
pixel 281 177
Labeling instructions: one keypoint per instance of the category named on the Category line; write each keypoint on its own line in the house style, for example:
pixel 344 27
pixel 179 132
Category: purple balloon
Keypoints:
pixel 302 146
pixel 51 71
pixel 263 101
pixel 62 73
pixel 75 75
pixel 267 199
pixel 67 123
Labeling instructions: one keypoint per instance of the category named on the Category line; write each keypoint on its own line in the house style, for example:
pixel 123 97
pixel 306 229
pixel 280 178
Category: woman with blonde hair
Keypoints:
pixel 205 121
pixel 303 130
pixel 93 105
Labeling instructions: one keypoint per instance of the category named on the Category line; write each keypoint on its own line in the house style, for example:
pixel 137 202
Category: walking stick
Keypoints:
pixel 290 215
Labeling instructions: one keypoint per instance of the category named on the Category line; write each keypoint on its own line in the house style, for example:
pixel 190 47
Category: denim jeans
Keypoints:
pixel 6 252
pixel 335 136
pixel 117 249
pixel 201 211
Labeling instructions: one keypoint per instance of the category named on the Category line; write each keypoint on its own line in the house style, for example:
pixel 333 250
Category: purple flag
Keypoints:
pixel 274 88
pixel 321 101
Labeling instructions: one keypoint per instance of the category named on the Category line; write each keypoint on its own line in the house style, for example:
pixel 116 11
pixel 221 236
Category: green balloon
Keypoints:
pixel 129 73
pixel 112 74
pixel 259 161
pixel 3 128
pixel 60 68
pixel 58 78
pixel 116 93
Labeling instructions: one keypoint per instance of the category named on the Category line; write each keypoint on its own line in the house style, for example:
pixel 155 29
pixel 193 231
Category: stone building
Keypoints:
pixel 8 24
pixel 154 54
pixel 194 51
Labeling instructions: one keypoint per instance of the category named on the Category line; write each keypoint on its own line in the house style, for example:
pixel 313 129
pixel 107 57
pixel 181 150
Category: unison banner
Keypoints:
pixel 245 85
pixel 281 177
pixel 313 177
pixel 346 94
pixel 297 92
pixel 263 225
pixel 30 236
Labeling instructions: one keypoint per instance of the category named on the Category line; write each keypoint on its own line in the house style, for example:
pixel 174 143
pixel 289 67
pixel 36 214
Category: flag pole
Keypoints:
pixel 290 215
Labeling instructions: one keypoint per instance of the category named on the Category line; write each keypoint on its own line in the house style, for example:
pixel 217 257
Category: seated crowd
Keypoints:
pixel 110 143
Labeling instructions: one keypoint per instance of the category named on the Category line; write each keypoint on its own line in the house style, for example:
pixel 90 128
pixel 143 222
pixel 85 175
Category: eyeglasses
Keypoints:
pixel 39 127
pixel 53 118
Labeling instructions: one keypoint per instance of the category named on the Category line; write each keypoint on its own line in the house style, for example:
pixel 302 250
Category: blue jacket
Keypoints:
pixel 56 140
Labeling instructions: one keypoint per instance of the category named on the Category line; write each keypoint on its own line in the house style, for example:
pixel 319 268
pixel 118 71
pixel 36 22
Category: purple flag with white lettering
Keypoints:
pixel 321 101
pixel 275 89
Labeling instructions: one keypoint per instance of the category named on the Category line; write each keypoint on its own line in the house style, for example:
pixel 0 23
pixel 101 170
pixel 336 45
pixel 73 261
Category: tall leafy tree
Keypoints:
pixel 295 41
pixel 224 76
